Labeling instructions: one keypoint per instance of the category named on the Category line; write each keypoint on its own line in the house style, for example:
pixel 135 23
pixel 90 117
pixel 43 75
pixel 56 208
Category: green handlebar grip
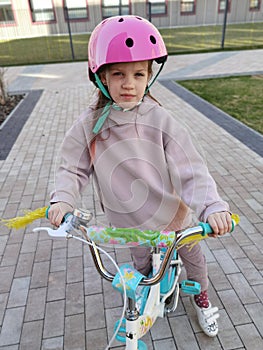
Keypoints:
pixel 207 229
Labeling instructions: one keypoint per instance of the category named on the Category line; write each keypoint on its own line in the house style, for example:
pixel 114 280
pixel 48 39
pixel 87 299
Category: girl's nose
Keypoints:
pixel 127 82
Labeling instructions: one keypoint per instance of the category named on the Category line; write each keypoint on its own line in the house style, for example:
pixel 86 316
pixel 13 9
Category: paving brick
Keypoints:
pixel 35 309
pixel 75 248
pixel 12 326
pixel 31 335
pixel 75 298
pixel 43 252
pixel 94 310
pixel 19 292
pixel 181 330
pixel 207 343
pixel 74 338
pixel 24 265
pixel 227 334
pixel 55 343
pixel 11 254
pixel 250 336
pixel 6 276
pixel 75 270
pixel 56 285
pixel 164 344
pixel 259 290
pixel 255 312
pixel 3 303
pixel 91 274
pixel 98 337
pixel 161 329
pixel 54 319
pixel 40 274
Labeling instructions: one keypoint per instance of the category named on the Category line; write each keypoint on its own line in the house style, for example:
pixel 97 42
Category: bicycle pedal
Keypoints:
pixel 190 287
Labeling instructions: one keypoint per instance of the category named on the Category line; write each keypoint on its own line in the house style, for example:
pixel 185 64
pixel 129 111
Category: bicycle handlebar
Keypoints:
pixel 128 236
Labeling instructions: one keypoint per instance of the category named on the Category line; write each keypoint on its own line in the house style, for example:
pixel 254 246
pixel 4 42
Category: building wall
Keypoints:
pixel 206 13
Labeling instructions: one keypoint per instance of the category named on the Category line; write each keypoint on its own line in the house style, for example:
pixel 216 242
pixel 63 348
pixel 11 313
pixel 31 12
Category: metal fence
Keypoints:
pixel 209 25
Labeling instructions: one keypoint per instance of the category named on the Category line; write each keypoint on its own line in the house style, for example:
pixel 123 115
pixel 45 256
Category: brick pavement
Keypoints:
pixel 50 294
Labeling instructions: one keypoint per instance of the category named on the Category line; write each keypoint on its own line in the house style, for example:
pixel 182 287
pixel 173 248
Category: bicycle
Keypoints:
pixel 145 298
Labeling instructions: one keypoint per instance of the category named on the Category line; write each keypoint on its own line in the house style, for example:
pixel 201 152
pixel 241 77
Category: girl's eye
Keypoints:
pixel 139 74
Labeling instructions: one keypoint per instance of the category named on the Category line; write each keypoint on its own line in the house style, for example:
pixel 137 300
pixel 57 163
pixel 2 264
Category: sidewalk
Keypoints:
pixel 51 296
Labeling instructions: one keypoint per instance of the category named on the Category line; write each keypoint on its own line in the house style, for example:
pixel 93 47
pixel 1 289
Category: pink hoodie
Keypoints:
pixel 147 172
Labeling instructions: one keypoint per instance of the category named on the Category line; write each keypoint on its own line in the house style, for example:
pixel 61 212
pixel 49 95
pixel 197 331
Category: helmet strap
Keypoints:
pixel 102 118
pixel 101 86
pixel 154 79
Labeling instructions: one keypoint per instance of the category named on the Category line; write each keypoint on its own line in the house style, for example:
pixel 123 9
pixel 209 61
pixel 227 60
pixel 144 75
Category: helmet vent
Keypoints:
pixel 153 40
pixel 129 42
pixel 121 20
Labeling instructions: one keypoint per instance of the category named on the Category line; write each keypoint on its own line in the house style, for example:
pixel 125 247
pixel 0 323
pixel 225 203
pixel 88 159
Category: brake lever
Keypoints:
pixel 63 231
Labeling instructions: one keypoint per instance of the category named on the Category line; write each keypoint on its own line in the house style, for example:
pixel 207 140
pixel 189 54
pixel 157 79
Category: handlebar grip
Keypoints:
pixel 207 229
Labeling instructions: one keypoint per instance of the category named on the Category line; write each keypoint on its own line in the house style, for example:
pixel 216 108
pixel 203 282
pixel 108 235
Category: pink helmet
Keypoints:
pixel 124 39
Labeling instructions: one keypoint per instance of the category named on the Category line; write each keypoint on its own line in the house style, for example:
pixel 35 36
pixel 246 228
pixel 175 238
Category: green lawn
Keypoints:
pixel 240 97
pixel 178 40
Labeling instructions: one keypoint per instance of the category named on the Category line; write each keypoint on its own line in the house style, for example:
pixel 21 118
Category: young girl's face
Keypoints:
pixel 126 82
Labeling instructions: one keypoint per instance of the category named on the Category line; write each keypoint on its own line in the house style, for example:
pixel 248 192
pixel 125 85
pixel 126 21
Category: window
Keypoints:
pixel 254 5
pixel 222 6
pixel 42 11
pixel 115 8
pixel 156 7
pixel 187 7
pixel 6 12
pixel 77 9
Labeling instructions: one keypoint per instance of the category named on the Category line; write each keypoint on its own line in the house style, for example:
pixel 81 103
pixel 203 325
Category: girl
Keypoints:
pixel 147 172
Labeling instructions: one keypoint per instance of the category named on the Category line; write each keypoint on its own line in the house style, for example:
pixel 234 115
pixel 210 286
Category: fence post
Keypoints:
pixel 150 10
pixel 70 35
pixel 224 25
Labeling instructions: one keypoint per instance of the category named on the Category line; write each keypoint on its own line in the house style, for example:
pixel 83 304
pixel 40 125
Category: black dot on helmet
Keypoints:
pixel 129 42
pixel 121 20
pixel 153 40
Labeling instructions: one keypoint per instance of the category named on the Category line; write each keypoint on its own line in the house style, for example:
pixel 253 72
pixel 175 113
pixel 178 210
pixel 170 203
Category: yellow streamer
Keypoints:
pixel 28 218
pixel 192 240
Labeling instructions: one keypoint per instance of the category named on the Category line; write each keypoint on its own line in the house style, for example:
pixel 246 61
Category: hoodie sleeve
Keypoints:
pixel 190 176
pixel 75 165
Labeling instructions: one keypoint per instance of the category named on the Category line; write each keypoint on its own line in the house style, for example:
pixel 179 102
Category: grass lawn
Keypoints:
pixel 241 97
pixel 178 40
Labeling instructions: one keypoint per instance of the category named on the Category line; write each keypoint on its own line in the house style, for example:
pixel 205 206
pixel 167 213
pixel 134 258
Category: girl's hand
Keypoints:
pixel 57 211
pixel 221 223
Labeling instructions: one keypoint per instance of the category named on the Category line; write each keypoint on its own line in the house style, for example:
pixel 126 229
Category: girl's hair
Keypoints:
pixel 101 103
